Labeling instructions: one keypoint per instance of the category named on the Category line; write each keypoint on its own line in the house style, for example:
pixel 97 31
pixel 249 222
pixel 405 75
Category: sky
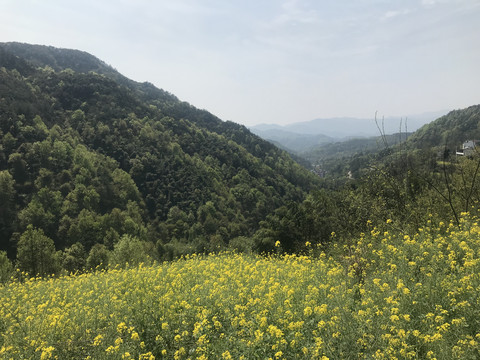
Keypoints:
pixel 274 61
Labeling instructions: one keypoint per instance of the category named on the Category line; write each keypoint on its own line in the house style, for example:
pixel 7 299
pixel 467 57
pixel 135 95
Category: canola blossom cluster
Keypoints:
pixel 384 296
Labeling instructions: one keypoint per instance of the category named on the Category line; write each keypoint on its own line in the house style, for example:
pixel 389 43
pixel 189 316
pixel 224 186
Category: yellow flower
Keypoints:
pixel 146 356
pixel 121 327
pixel 394 318
pixel 98 340
pixel 226 355
pixel 179 353
pixel 322 309
pixel 111 349
pixel 47 353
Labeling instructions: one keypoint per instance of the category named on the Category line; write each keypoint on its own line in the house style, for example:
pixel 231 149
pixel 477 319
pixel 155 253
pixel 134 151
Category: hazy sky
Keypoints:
pixel 274 61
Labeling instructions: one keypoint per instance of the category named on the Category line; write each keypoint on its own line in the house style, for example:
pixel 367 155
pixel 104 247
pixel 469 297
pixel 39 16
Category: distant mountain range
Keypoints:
pixel 303 136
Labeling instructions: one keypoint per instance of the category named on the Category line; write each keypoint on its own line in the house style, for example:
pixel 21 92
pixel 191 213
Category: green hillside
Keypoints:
pixel 340 158
pixel 448 131
pixel 436 140
pixel 90 157
pixel 409 182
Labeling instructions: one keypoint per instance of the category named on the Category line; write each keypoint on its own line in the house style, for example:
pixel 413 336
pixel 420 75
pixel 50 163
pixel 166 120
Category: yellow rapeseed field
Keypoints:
pixel 385 296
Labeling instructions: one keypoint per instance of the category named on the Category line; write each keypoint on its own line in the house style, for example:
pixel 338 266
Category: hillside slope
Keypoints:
pixel 89 156
pixel 448 131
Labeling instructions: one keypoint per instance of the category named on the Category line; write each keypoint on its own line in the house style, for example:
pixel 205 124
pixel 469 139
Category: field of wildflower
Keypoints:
pixel 384 296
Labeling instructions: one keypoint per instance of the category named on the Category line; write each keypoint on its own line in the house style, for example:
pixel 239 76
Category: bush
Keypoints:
pixel 130 250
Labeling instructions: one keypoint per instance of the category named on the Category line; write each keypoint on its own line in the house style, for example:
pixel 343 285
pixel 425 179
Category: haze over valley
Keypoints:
pixel 303 136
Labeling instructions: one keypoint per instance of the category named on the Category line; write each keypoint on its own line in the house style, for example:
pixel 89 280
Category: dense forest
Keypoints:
pixel 90 160
pixel 96 169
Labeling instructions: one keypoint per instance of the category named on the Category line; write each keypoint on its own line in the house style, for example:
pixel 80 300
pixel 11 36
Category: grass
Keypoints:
pixel 384 296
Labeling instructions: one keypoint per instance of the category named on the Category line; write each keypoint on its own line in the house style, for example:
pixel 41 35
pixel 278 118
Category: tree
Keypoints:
pixel 5 267
pixel 74 258
pixel 85 229
pixel 40 127
pixel 18 167
pixel 7 206
pixel 131 250
pixel 97 257
pixel 36 253
pixel 124 188
pixel 43 211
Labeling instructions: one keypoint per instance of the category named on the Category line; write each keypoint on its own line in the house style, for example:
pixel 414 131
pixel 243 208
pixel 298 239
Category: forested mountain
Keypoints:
pixel 89 157
pixel 349 156
pixel 445 134
pixel 448 131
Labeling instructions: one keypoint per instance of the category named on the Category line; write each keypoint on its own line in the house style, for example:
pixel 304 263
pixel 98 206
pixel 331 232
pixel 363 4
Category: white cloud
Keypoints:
pixel 294 12
pixel 395 13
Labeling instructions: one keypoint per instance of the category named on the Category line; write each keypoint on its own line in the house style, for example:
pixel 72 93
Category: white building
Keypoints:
pixel 468 148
